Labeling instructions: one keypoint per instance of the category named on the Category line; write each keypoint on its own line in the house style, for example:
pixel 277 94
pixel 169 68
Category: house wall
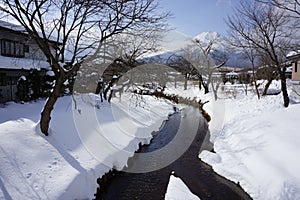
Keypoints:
pixel 8 84
pixel 8 93
pixel 296 72
pixel 34 51
pixel 9 74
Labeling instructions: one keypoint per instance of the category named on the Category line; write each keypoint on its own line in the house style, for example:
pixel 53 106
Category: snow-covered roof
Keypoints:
pixel 11 26
pixel 50 73
pixel 232 74
pixel 22 63
pixel 289 70
pixel 21 29
pixel 293 53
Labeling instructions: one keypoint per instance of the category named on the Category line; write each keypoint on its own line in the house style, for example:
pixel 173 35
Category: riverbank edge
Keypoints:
pixel 105 180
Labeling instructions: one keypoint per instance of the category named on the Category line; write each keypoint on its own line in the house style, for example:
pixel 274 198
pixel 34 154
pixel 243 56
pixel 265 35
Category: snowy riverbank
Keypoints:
pixel 258 147
pixel 257 142
pixel 66 164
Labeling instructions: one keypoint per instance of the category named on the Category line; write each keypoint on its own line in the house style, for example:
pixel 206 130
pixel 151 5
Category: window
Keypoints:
pixel 26 48
pixel 12 48
pixel 296 67
pixel 2 79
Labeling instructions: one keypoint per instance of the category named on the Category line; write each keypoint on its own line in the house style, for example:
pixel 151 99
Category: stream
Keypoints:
pixel 198 176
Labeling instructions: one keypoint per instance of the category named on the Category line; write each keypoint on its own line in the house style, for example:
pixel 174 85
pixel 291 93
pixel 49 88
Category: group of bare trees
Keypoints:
pixel 267 31
pixel 202 57
pixel 182 65
pixel 80 28
pixel 264 30
pixel 213 56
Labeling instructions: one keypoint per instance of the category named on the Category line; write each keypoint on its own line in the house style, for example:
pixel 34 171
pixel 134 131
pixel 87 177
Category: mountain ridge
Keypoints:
pixel 175 42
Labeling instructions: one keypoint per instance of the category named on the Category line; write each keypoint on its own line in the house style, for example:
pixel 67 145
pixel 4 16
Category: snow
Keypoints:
pixel 83 144
pixel 258 146
pixel 232 74
pixel 256 143
pixel 215 39
pixel 22 78
pixel 206 37
pixel 18 28
pixel 12 26
pixel 177 190
pixel 22 63
pixel 100 80
pixel 66 82
pixel 50 73
pixel 289 69
pixel 293 53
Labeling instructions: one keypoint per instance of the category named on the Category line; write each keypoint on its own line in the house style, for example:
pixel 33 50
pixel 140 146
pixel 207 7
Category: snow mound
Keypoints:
pixel 64 165
pixel 177 190
pixel 258 147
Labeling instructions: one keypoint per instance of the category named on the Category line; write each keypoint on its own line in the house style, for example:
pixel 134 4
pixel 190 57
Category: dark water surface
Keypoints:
pixel 198 176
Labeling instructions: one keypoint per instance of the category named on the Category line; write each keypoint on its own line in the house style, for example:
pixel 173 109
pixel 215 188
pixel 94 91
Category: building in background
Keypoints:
pixel 295 59
pixel 23 65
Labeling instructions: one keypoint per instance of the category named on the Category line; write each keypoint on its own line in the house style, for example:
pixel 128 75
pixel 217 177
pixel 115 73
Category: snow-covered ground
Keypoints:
pixel 259 146
pixel 84 143
pixel 257 142
pixel 177 190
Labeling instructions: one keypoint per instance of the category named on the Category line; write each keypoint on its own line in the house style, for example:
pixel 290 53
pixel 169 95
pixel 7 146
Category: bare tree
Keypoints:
pixel 264 27
pixel 208 55
pixel 250 53
pixel 183 66
pixel 292 6
pixel 292 10
pixel 192 55
pixel 123 50
pixel 77 26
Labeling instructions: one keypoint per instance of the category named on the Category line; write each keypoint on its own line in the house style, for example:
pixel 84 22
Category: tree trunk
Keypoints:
pixel 46 112
pixel 254 76
pixel 256 89
pixel 205 85
pixel 110 95
pixel 200 85
pixel 205 88
pixel 267 87
pixel 215 90
pixel 111 83
pixel 246 88
pixel 185 81
pixel 286 99
pixel 200 81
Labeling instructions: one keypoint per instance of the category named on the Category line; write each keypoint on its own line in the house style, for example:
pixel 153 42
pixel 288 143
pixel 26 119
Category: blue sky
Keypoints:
pixel 193 17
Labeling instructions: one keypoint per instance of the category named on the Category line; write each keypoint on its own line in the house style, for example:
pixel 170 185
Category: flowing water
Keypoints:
pixel 198 176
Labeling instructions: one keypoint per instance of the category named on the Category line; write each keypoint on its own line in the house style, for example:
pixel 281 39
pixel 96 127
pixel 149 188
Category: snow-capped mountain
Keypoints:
pixel 206 37
pixel 175 42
